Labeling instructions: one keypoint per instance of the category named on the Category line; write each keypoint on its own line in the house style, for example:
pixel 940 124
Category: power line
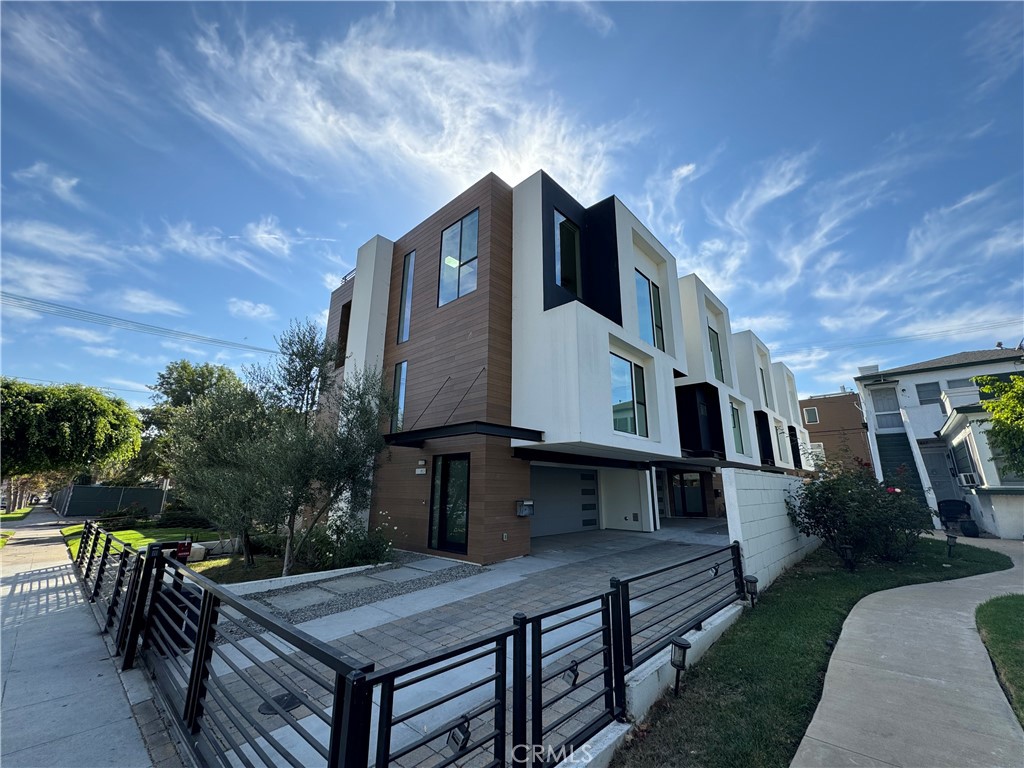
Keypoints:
pixel 60 310
pixel 874 341
pixel 51 381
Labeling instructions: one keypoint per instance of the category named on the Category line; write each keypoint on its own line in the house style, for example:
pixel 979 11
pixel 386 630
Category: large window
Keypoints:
pixel 399 416
pixel 405 305
pixel 716 353
pixel 887 408
pixel 959 384
pixel 929 394
pixel 810 415
pixel 764 388
pixel 737 428
pixel 629 397
pixel 458 259
pixel 449 503
pixel 343 323
pixel 567 255
pixel 648 307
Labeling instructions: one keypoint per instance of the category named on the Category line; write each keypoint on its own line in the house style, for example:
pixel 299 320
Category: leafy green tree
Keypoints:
pixel 179 385
pixel 217 450
pixel 1006 407
pixel 46 428
pixel 325 440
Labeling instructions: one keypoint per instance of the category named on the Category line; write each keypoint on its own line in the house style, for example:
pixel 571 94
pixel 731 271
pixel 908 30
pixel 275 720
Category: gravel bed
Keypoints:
pixel 347 601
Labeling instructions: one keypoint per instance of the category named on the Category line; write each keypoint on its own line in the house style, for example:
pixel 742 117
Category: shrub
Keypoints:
pixel 183 519
pixel 342 543
pixel 856 516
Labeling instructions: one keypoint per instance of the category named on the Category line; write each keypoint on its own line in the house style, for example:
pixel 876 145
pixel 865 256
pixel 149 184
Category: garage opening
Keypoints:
pixel 565 500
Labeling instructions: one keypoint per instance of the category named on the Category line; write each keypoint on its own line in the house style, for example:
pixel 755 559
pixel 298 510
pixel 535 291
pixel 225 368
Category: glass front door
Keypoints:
pixel 449 503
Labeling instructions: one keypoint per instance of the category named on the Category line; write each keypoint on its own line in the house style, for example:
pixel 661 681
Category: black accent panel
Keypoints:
pixel 590 521
pixel 764 438
pixel 599 257
pixel 700 424
pixel 794 447
pixel 415 438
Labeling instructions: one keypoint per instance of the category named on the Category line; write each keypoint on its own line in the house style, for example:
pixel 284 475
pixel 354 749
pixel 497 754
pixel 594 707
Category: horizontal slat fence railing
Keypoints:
pixel 247 689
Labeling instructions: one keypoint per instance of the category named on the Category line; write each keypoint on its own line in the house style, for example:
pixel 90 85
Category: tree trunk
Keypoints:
pixel 247 555
pixel 289 536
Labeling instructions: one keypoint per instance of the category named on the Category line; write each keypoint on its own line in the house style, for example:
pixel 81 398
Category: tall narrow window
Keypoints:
pixel 399 418
pixel 737 428
pixel 567 255
pixel 458 259
pixel 629 397
pixel 405 305
pixel 343 323
pixel 648 309
pixel 764 389
pixel 887 408
pixel 716 353
pixel 449 504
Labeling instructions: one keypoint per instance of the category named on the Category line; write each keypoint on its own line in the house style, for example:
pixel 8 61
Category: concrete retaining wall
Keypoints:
pixel 755 504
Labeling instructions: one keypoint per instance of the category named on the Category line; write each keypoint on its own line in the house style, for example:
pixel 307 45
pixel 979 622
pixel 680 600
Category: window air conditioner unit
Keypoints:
pixel 967 479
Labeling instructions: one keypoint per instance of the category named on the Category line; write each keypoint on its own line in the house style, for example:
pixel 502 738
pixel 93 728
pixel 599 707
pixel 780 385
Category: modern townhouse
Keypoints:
pixel 541 357
pixel 789 408
pixel 925 425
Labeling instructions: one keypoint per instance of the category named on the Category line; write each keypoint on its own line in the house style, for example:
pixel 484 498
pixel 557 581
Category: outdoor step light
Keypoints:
pixel 680 645
pixel 750 583
pixel 950 543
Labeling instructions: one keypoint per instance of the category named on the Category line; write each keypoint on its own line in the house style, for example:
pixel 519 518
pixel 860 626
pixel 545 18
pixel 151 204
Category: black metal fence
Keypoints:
pixel 247 689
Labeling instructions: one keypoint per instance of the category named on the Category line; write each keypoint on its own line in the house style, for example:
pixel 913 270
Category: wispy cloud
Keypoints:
pixel 64 243
pixel 124 355
pixel 796 24
pixel 209 245
pixel 856 319
pixel 997 46
pixel 140 302
pixel 332 280
pixel 250 310
pixel 39 176
pixel 268 235
pixel 781 176
pixel 39 280
pixel 126 384
pixel 82 334
pixel 806 360
pixel 377 103
pixel 760 324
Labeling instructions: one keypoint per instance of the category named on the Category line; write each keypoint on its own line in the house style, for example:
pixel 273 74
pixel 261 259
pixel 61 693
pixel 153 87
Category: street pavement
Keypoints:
pixel 910 683
pixel 63 701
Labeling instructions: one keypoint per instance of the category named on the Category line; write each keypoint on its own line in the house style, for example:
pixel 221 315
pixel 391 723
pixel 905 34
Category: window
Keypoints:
pixel 629 398
pixel 737 428
pixel 959 384
pixel 648 308
pixel 780 441
pixel 764 388
pixel 449 503
pixel 405 306
pixel 817 452
pixel 458 259
pixel 343 323
pixel 399 391
pixel 716 353
pixel 567 255
pixel 928 394
pixel 810 415
pixel 963 461
pixel 887 408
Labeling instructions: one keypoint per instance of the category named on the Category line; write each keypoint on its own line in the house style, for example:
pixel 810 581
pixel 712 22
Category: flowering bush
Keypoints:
pixel 858 517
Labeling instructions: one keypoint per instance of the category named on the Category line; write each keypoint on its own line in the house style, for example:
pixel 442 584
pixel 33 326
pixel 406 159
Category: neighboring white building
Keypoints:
pixel 924 429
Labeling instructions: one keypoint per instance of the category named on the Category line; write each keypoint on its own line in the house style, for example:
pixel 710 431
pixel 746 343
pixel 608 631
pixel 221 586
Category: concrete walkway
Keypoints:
pixel 63 701
pixel 910 683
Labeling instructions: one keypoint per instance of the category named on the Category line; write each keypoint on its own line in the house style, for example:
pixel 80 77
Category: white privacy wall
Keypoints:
pixel 755 504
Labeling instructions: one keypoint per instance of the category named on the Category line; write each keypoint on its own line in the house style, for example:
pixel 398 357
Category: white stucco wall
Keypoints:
pixel 368 322
pixel 755 504
pixel 1002 514
pixel 625 493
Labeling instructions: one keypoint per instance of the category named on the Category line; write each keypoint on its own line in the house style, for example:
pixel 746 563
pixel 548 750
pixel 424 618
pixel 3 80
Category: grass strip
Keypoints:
pixel 232 569
pixel 1001 625
pixel 749 700
pixel 136 538
pixel 4 536
pixel 18 514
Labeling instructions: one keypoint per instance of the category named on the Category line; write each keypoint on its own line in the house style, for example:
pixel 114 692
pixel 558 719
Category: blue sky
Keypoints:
pixel 840 174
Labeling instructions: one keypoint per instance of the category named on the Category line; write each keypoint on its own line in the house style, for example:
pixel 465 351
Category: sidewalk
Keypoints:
pixel 911 684
pixel 63 701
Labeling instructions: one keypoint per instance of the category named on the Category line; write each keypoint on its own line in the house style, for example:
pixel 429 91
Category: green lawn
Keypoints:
pixel 231 570
pixel 18 514
pixel 4 536
pixel 137 538
pixel 1001 624
pixel 750 699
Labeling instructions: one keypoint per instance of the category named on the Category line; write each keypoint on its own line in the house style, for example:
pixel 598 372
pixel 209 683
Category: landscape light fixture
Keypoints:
pixel 680 645
pixel 847 550
pixel 750 583
pixel 950 543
